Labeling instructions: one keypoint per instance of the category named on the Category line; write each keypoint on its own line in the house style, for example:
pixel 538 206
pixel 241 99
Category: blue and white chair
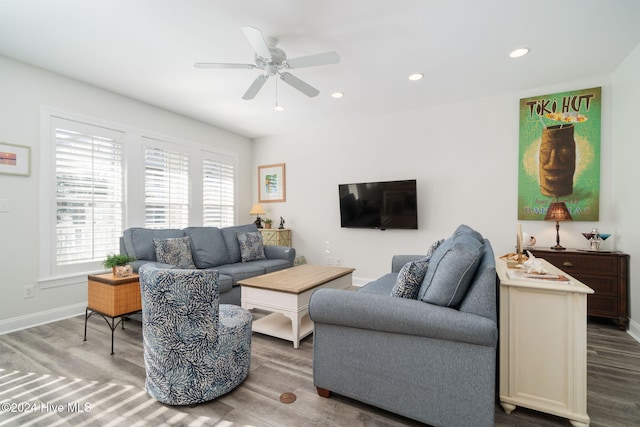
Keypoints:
pixel 195 349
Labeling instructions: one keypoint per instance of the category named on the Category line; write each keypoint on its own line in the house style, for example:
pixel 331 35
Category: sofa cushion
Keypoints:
pixel 207 246
pixel 251 247
pixel 451 270
pixel 138 241
pixel 382 286
pixel 465 229
pixel 409 279
pixel 230 235
pixel 176 251
pixel 241 270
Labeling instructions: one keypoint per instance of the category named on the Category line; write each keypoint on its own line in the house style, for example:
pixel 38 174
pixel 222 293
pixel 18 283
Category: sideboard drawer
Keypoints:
pixel 587 263
pixel 607 273
pixel 601 285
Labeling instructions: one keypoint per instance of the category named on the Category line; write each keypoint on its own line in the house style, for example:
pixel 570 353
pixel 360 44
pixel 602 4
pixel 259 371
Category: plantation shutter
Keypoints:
pixel 89 191
pixel 218 191
pixel 166 188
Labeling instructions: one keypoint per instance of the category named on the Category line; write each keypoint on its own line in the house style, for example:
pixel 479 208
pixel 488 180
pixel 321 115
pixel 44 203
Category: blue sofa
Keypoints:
pixel 209 248
pixel 429 355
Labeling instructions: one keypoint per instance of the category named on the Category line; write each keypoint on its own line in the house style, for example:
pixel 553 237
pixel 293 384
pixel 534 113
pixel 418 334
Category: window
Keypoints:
pixel 166 186
pixel 218 190
pixel 89 192
pixel 99 178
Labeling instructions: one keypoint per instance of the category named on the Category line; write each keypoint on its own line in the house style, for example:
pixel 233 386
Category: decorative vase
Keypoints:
pixel 122 270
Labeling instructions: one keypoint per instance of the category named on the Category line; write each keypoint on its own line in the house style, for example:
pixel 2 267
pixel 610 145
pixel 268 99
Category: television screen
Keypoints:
pixel 383 205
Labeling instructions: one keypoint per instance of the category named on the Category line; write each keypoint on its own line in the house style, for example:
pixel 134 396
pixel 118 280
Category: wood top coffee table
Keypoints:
pixel 286 295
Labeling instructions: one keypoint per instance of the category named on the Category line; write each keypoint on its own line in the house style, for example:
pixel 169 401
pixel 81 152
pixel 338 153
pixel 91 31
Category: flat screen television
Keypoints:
pixel 381 205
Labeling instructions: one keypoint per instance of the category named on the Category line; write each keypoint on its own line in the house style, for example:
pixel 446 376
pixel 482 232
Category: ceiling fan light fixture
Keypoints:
pixel 416 76
pixel 337 95
pixel 517 53
pixel 279 108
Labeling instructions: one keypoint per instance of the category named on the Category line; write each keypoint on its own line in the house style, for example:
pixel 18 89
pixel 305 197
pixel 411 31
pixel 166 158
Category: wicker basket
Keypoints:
pixel 114 296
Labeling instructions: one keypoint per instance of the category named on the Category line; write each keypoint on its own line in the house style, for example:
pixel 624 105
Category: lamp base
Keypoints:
pixel 558 248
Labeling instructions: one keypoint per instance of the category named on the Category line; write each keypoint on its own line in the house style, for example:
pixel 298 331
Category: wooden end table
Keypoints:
pixel 286 294
pixel 113 297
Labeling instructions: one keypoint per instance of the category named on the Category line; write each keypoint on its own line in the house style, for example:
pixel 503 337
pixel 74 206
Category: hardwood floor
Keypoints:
pixel 65 368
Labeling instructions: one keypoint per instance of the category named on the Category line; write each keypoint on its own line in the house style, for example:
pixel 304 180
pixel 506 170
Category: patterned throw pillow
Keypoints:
pixel 176 251
pixel 433 247
pixel 251 247
pixel 409 279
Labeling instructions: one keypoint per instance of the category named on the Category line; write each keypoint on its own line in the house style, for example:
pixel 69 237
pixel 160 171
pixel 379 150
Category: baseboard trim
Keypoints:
pixel 41 318
pixel 361 281
pixel 634 330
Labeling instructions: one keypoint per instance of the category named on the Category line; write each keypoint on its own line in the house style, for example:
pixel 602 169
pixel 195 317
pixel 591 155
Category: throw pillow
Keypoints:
pixel 251 247
pixel 451 271
pixel 433 247
pixel 409 279
pixel 176 251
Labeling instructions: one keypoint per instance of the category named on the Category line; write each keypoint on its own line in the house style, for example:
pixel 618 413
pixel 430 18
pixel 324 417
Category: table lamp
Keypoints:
pixel 557 211
pixel 257 210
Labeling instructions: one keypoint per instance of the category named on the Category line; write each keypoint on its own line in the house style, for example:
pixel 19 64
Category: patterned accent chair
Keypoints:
pixel 195 349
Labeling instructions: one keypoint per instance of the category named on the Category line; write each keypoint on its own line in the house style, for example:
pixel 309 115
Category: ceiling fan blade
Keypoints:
pixel 303 87
pixel 257 42
pixel 223 65
pixel 255 87
pixel 326 58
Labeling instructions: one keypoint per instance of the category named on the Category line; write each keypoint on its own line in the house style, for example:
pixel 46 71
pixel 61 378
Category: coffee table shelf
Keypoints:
pixel 286 294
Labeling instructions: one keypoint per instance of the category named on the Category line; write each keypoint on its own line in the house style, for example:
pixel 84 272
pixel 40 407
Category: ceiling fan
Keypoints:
pixel 272 60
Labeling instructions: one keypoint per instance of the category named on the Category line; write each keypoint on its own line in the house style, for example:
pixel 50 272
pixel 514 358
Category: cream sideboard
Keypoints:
pixel 543 345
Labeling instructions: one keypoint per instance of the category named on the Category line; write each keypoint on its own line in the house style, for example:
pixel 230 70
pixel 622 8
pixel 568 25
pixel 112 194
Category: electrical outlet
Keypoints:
pixel 337 261
pixel 28 291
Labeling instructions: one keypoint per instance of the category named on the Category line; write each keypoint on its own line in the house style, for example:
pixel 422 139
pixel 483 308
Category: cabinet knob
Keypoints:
pixel 567 264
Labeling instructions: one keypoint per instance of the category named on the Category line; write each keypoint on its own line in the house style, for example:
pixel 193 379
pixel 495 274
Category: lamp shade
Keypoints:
pixel 257 209
pixel 557 211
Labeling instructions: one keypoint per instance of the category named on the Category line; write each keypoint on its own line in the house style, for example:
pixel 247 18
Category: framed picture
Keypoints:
pixel 272 183
pixel 15 159
pixel 559 158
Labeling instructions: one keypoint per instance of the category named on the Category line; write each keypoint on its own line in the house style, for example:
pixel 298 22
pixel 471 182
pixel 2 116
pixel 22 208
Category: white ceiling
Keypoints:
pixel 145 49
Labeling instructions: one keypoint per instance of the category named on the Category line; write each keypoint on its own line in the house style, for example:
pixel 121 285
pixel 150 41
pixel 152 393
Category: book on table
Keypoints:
pixel 517 274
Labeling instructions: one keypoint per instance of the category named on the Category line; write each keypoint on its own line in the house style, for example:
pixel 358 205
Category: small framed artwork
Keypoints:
pixel 272 184
pixel 15 159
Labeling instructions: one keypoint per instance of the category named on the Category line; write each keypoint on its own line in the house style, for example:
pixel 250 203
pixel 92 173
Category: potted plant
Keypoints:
pixel 267 223
pixel 119 264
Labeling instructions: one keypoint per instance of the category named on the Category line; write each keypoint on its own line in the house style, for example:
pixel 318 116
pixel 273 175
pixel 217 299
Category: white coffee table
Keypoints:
pixel 286 295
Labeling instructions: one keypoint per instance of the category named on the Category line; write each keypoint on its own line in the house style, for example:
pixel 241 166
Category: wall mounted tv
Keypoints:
pixel 382 205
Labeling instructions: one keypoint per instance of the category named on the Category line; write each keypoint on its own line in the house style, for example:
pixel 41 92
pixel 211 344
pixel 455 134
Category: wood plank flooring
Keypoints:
pixel 114 385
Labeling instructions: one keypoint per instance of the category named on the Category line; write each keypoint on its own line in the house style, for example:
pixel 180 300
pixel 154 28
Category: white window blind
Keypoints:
pixel 89 191
pixel 166 187
pixel 218 191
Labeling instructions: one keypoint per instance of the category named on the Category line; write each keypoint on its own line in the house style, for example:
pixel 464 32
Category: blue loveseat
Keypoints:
pixel 430 356
pixel 209 248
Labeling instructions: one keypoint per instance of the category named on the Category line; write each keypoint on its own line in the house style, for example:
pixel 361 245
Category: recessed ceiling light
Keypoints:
pixel 519 52
pixel 337 95
pixel 416 77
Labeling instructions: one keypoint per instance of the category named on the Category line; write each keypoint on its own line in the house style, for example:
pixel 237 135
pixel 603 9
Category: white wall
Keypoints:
pixel 25 90
pixel 626 137
pixel 464 156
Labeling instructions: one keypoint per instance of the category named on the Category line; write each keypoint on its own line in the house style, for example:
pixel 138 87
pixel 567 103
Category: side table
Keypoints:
pixel 276 236
pixel 113 297
pixel 543 345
